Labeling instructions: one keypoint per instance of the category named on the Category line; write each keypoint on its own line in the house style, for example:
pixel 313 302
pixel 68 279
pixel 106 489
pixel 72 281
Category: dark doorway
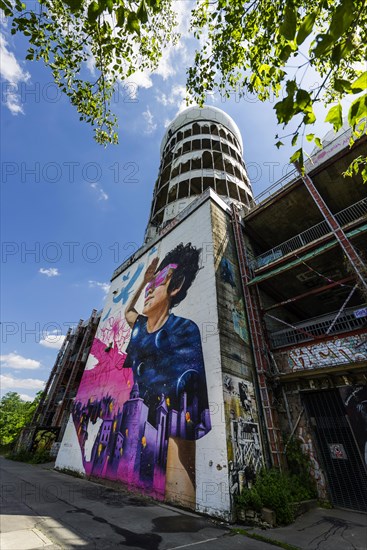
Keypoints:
pixel 338 450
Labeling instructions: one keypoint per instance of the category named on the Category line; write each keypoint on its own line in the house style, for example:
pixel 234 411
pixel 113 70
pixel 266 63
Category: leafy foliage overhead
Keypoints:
pixel 246 46
pixel 117 37
pixel 262 46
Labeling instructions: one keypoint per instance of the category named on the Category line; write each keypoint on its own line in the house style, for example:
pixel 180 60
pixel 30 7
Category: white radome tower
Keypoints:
pixel 202 148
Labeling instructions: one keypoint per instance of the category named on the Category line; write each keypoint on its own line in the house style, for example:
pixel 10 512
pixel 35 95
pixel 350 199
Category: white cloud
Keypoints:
pixel 175 98
pixel 91 62
pixel 149 119
pixel 13 74
pixel 51 272
pixel 53 340
pixel 9 382
pixel 131 85
pixel 102 194
pixel 15 361
pixel 103 286
pixel 25 397
pixel 183 11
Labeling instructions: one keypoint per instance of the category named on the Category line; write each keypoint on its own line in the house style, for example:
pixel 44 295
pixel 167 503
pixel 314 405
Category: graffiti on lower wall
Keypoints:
pixel 328 353
pixel 355 402
pixel 316 472
pixel 239 321
pixel 143 397
pixel 243 436
pixel 227 272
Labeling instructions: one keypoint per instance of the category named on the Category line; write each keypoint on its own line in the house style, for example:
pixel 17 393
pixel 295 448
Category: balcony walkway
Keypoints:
pixel 350 319
pixel 344 217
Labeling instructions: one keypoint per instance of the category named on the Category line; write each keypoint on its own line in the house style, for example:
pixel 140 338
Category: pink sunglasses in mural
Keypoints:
pixel 160 278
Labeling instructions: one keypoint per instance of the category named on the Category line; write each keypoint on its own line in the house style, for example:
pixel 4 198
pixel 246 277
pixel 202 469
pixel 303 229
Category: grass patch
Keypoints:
pixel 5 449
pixel 70 472
pixel 39 457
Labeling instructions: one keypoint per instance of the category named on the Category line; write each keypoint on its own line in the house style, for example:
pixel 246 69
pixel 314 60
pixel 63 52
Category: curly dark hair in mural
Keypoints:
pixel 187 258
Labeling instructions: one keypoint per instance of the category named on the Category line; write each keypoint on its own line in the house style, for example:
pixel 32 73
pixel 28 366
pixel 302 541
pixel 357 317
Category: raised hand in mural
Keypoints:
pixel 150 271
pixel 158 295
pixel 131 314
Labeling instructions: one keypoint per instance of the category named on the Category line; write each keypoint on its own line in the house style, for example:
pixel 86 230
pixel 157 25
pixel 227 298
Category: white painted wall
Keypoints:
pixel 200 306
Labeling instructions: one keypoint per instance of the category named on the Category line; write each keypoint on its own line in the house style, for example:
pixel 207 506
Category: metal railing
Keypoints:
pixel 293 175
pixel 318 326
pixel 290 177
pixel 344 217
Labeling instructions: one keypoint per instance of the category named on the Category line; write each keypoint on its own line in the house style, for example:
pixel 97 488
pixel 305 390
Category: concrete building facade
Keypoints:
pixel 307 276
pixel 238 321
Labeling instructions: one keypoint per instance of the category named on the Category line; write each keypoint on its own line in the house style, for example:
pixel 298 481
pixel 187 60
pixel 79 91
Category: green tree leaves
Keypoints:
pixel 306 27
pixel 132 24
pixel 335 117
pixel 360 84
pixel 291 37
pixel 119 37
pixel 93 11
pixel 246 46
pixel 142 12
pixel 357 111
pixel 15 414
pixel 342 18
pixel 289 25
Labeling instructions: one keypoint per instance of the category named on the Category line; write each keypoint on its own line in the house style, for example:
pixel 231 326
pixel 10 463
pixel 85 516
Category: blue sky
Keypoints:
pixel 72 211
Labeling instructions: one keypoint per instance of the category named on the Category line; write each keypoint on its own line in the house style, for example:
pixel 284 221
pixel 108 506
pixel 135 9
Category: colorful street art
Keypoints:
pixel 243 443
pixel 316 472
pixel 144 393
pixel 239 321
pixel 227 272
pixel 355 402
pixel 331 352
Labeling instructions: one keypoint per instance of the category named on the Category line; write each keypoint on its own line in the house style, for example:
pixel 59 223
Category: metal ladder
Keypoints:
pixel 259 344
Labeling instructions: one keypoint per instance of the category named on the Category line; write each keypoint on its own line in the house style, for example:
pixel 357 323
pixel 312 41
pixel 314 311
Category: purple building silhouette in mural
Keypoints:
pixel 130 448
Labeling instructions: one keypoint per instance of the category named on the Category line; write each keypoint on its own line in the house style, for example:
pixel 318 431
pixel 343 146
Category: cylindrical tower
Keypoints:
pixel 202 148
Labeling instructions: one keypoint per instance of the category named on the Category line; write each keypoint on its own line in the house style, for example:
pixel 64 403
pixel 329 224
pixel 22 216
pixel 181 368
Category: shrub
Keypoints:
pixel 249 499
pixel 275 493
pixel 303 484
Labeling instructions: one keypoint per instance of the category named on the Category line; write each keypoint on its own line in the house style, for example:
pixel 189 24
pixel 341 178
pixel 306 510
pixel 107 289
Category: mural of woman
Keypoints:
pixel 166 358
pixel 140 409
pixel 165 351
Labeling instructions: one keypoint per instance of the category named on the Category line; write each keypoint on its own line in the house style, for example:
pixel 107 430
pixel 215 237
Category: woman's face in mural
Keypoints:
pixel 156 291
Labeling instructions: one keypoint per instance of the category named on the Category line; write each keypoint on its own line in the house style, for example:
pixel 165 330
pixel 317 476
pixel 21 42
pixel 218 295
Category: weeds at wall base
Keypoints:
pixel 5 449
pixel 325 504
pixel 39 457
pixel 262 538
pixel 70 472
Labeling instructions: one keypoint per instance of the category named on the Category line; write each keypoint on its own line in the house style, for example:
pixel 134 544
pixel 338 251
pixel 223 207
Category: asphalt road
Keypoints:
pixel 42 508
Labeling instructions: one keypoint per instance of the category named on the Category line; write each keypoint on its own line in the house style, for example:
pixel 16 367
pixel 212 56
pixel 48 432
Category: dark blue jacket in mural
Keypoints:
pixel 169 362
